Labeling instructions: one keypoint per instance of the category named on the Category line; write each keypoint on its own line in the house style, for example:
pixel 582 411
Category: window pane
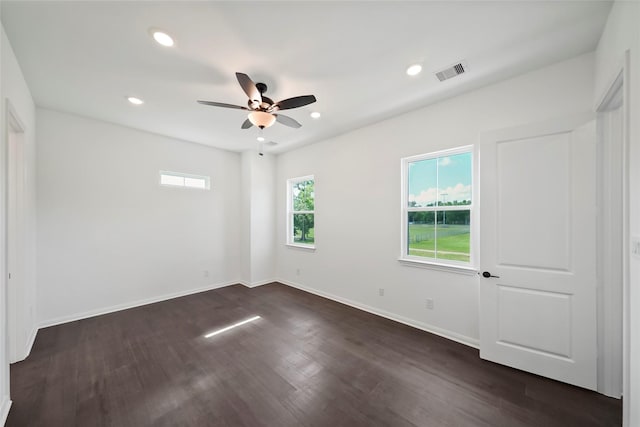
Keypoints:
pixel 448 239
pixel 453 235
pixel 303 195
pixel 454 180
pixel 303 231
pixel 171 180
pixel 423 183
pixel 195 182
pixel 421 234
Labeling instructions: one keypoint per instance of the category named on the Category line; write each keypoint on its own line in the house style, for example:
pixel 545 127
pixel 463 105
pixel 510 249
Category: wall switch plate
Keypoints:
pixel 381 292
pixel 429 304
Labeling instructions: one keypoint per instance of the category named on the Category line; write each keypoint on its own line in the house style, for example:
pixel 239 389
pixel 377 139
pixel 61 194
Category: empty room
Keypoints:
pixel 320 213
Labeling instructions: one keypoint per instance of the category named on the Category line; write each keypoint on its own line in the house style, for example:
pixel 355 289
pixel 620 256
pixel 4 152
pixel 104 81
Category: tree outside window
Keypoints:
pixel 301 209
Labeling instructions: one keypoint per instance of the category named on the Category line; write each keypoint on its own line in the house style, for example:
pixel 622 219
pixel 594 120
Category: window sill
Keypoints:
pixel 308 248
pixel 458 269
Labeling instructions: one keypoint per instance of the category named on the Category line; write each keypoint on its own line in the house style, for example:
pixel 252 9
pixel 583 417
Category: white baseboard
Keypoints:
pixel 119 307
pixel 471 342
pixel 256 284
pixel 4 409
pixel 453 336
pixel 28 346
pixel 30 341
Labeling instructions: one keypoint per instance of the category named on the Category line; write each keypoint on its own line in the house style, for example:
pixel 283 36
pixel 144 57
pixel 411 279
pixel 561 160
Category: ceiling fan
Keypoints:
pixel 262 110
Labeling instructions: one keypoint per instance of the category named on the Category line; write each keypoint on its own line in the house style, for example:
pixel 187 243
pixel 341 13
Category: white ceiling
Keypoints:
pixel 85 57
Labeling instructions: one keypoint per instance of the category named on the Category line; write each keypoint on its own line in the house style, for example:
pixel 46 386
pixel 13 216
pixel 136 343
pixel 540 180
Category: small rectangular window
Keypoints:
pixel 437 207
pixel 301 211
pixel 177 179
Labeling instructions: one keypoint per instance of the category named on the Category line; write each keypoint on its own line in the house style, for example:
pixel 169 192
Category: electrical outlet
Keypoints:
pixel 429 304
pixel 381 292
pixel 205 273
pixel 297 271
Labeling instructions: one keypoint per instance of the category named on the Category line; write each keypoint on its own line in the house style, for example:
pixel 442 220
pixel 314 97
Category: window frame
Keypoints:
pixel 184 176
pixel 291 212
pixel 437 263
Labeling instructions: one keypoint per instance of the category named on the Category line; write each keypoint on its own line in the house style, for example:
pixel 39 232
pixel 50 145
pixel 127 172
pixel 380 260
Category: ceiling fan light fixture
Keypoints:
pixel 261 119
pixel 414 69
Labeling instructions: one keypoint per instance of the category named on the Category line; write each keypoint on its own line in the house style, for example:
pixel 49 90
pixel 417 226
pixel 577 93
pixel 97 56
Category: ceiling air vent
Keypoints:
pixel 452 71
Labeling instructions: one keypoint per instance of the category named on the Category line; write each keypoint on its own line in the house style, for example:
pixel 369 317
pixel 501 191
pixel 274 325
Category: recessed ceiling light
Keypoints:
pixel 134 100
pixel 260 139
pixel 414 70
pixel 163 38
pixel 315 115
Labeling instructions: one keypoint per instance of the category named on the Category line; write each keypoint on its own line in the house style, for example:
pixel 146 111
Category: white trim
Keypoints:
pixel 441 153
pixel 125 306
pixel 602 99
pixel 256 284
pixel 14 287
pixel 610 231
pixel 13 119
pixel 30 341
pixel 299 246
pixel 626 244
pixel 4 409
pixel 435 263
pixel 450 268
pixel 459 338
pixel 28 346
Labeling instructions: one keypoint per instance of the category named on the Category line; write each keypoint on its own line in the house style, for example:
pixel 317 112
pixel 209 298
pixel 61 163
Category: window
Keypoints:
pixel 177 179
pixel 437 207
pixel 301 211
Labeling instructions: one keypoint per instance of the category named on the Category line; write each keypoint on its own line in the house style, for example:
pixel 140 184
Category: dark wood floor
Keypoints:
pixel 307 362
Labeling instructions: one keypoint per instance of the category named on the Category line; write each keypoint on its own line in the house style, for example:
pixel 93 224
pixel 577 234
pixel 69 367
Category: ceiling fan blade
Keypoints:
pixel 295 102
pixel 287 121
pixel 247 124
pixel 222 104
pixel 249 87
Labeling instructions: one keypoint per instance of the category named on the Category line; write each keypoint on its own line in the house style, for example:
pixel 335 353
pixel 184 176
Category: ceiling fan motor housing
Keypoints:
pixel 262 88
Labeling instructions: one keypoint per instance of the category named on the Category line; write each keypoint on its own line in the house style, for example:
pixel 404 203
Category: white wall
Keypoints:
pixel 622 34
pixel 358 198
pixel 258 211
pixel 14 88
pixel 109 236
pixel 263 218
pixel 245 217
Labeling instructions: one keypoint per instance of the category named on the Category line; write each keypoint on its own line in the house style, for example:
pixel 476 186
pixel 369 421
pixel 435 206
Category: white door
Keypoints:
pixel 537 237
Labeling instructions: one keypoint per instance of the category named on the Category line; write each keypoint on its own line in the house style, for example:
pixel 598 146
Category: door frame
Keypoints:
pixel 15 128
pixel 618 85
pixel 610 259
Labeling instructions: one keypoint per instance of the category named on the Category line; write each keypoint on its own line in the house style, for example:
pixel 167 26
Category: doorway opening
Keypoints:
pixel 612 202
pixel 16 297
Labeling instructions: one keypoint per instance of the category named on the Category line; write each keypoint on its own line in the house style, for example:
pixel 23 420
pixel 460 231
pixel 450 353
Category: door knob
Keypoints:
pixel 486 274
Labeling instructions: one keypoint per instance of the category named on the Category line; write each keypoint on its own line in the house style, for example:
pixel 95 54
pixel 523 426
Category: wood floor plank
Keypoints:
pixel 307 361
